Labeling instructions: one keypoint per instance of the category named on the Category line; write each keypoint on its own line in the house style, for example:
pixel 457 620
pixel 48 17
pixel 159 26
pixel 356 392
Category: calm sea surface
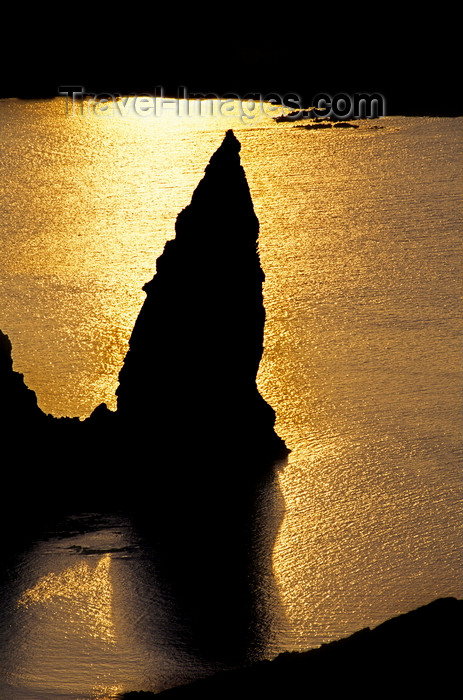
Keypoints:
pixel 360 241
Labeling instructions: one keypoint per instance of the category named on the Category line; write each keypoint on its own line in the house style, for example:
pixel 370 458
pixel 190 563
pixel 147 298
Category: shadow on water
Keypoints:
pixel 211 535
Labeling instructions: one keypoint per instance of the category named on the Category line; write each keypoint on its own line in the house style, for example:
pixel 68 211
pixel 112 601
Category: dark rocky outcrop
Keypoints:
pixel 18 404
pixel 38 452
pixel 26 431
pixel 414 655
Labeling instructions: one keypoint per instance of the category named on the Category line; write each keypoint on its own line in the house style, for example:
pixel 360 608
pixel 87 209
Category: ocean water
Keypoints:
pixel 360 241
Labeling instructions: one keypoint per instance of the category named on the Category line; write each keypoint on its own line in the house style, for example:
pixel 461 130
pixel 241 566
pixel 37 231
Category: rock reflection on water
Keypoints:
pixel 83 595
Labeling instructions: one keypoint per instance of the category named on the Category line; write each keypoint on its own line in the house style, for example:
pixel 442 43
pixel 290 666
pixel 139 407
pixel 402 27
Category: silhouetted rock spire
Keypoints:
pixel 190 374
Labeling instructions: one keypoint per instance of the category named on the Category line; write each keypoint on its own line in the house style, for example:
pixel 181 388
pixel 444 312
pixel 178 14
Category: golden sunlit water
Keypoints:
pixel 360 241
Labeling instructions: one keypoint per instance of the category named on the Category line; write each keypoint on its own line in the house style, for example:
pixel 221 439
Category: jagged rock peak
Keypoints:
pixel 224 194
pixel 230 146
pixel 224 159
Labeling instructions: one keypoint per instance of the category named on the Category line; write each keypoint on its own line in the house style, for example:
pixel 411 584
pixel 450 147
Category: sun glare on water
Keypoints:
pixel 82 593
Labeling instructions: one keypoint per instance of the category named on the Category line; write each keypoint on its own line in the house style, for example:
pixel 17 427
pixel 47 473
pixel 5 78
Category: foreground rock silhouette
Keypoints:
pixel 417 654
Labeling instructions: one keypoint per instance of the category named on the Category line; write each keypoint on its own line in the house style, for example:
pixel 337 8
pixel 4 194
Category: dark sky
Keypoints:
pixel 413 62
